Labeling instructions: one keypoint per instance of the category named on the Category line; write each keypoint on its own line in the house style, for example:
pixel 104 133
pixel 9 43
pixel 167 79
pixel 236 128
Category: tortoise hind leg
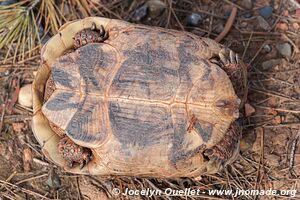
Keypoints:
pixel 225 152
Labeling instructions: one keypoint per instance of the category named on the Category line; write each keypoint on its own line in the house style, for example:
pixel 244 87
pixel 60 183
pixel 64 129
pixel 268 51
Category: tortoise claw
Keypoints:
pixel 223 59
pixel 228 57
pixel 84 162
pixel 229 62
pixel 105 36
pixel 101 31
pixel 232 56
pixel 93 26
pixel 82 165
pixel 70 164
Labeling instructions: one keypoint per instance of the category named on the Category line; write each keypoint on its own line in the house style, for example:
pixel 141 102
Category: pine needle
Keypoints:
pixel 17 29
pixel 51 15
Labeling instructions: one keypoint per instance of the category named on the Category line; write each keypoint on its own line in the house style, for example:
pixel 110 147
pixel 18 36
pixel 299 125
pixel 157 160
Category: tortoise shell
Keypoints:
pixel 146 101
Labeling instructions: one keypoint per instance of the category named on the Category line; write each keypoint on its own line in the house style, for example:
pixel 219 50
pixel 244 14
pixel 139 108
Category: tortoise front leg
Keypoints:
pixel 221 56
pixel 228 61
pixel 225 152
pixel 235 69
pixel 228 57
pixel 90 35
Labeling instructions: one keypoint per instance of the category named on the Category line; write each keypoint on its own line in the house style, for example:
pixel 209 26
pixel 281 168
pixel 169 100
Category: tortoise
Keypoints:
pixel 115 98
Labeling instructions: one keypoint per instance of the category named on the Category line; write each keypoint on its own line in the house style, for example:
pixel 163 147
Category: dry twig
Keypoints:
pixel 228 25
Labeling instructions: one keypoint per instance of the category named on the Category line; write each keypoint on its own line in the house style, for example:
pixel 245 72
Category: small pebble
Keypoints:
pixel 266 48
pixel 270 63
pixel 4 73
pixel 277 120
pixel 18 126
pixel 244 24
pixel 194 19
pixel 219 28
pixel 8 2
pixel 247 4
pixel 296 26
pixel 285 49
pixel 140 13
pixel 271 111
pixel 249 110
pixel 248 14
pixel 53 180
pixel 263 24
pixel 247 141
pixel 266 11
pixel 272 160
pixel 25 96
pixel 156 7
pixel 286 13
pixel 227 13
pixel 282 26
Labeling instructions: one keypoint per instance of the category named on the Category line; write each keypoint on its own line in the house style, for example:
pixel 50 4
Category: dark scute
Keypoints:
pixel 145 87
pixel 178 153
pixel 147 68
pixel 89 59
pixel 152 61
pixel 62 77
pixel 61 102
pixel 179 149
pixel 204 131
pixel 207 68
pixel 83 118
pixel 186 53
pixel 145 54
pixel 182 155
pixel 186 56
pixel 132 128
pixel 207 75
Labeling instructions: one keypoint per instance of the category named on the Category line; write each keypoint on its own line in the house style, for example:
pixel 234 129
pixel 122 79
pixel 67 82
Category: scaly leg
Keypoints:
pixel 225 152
